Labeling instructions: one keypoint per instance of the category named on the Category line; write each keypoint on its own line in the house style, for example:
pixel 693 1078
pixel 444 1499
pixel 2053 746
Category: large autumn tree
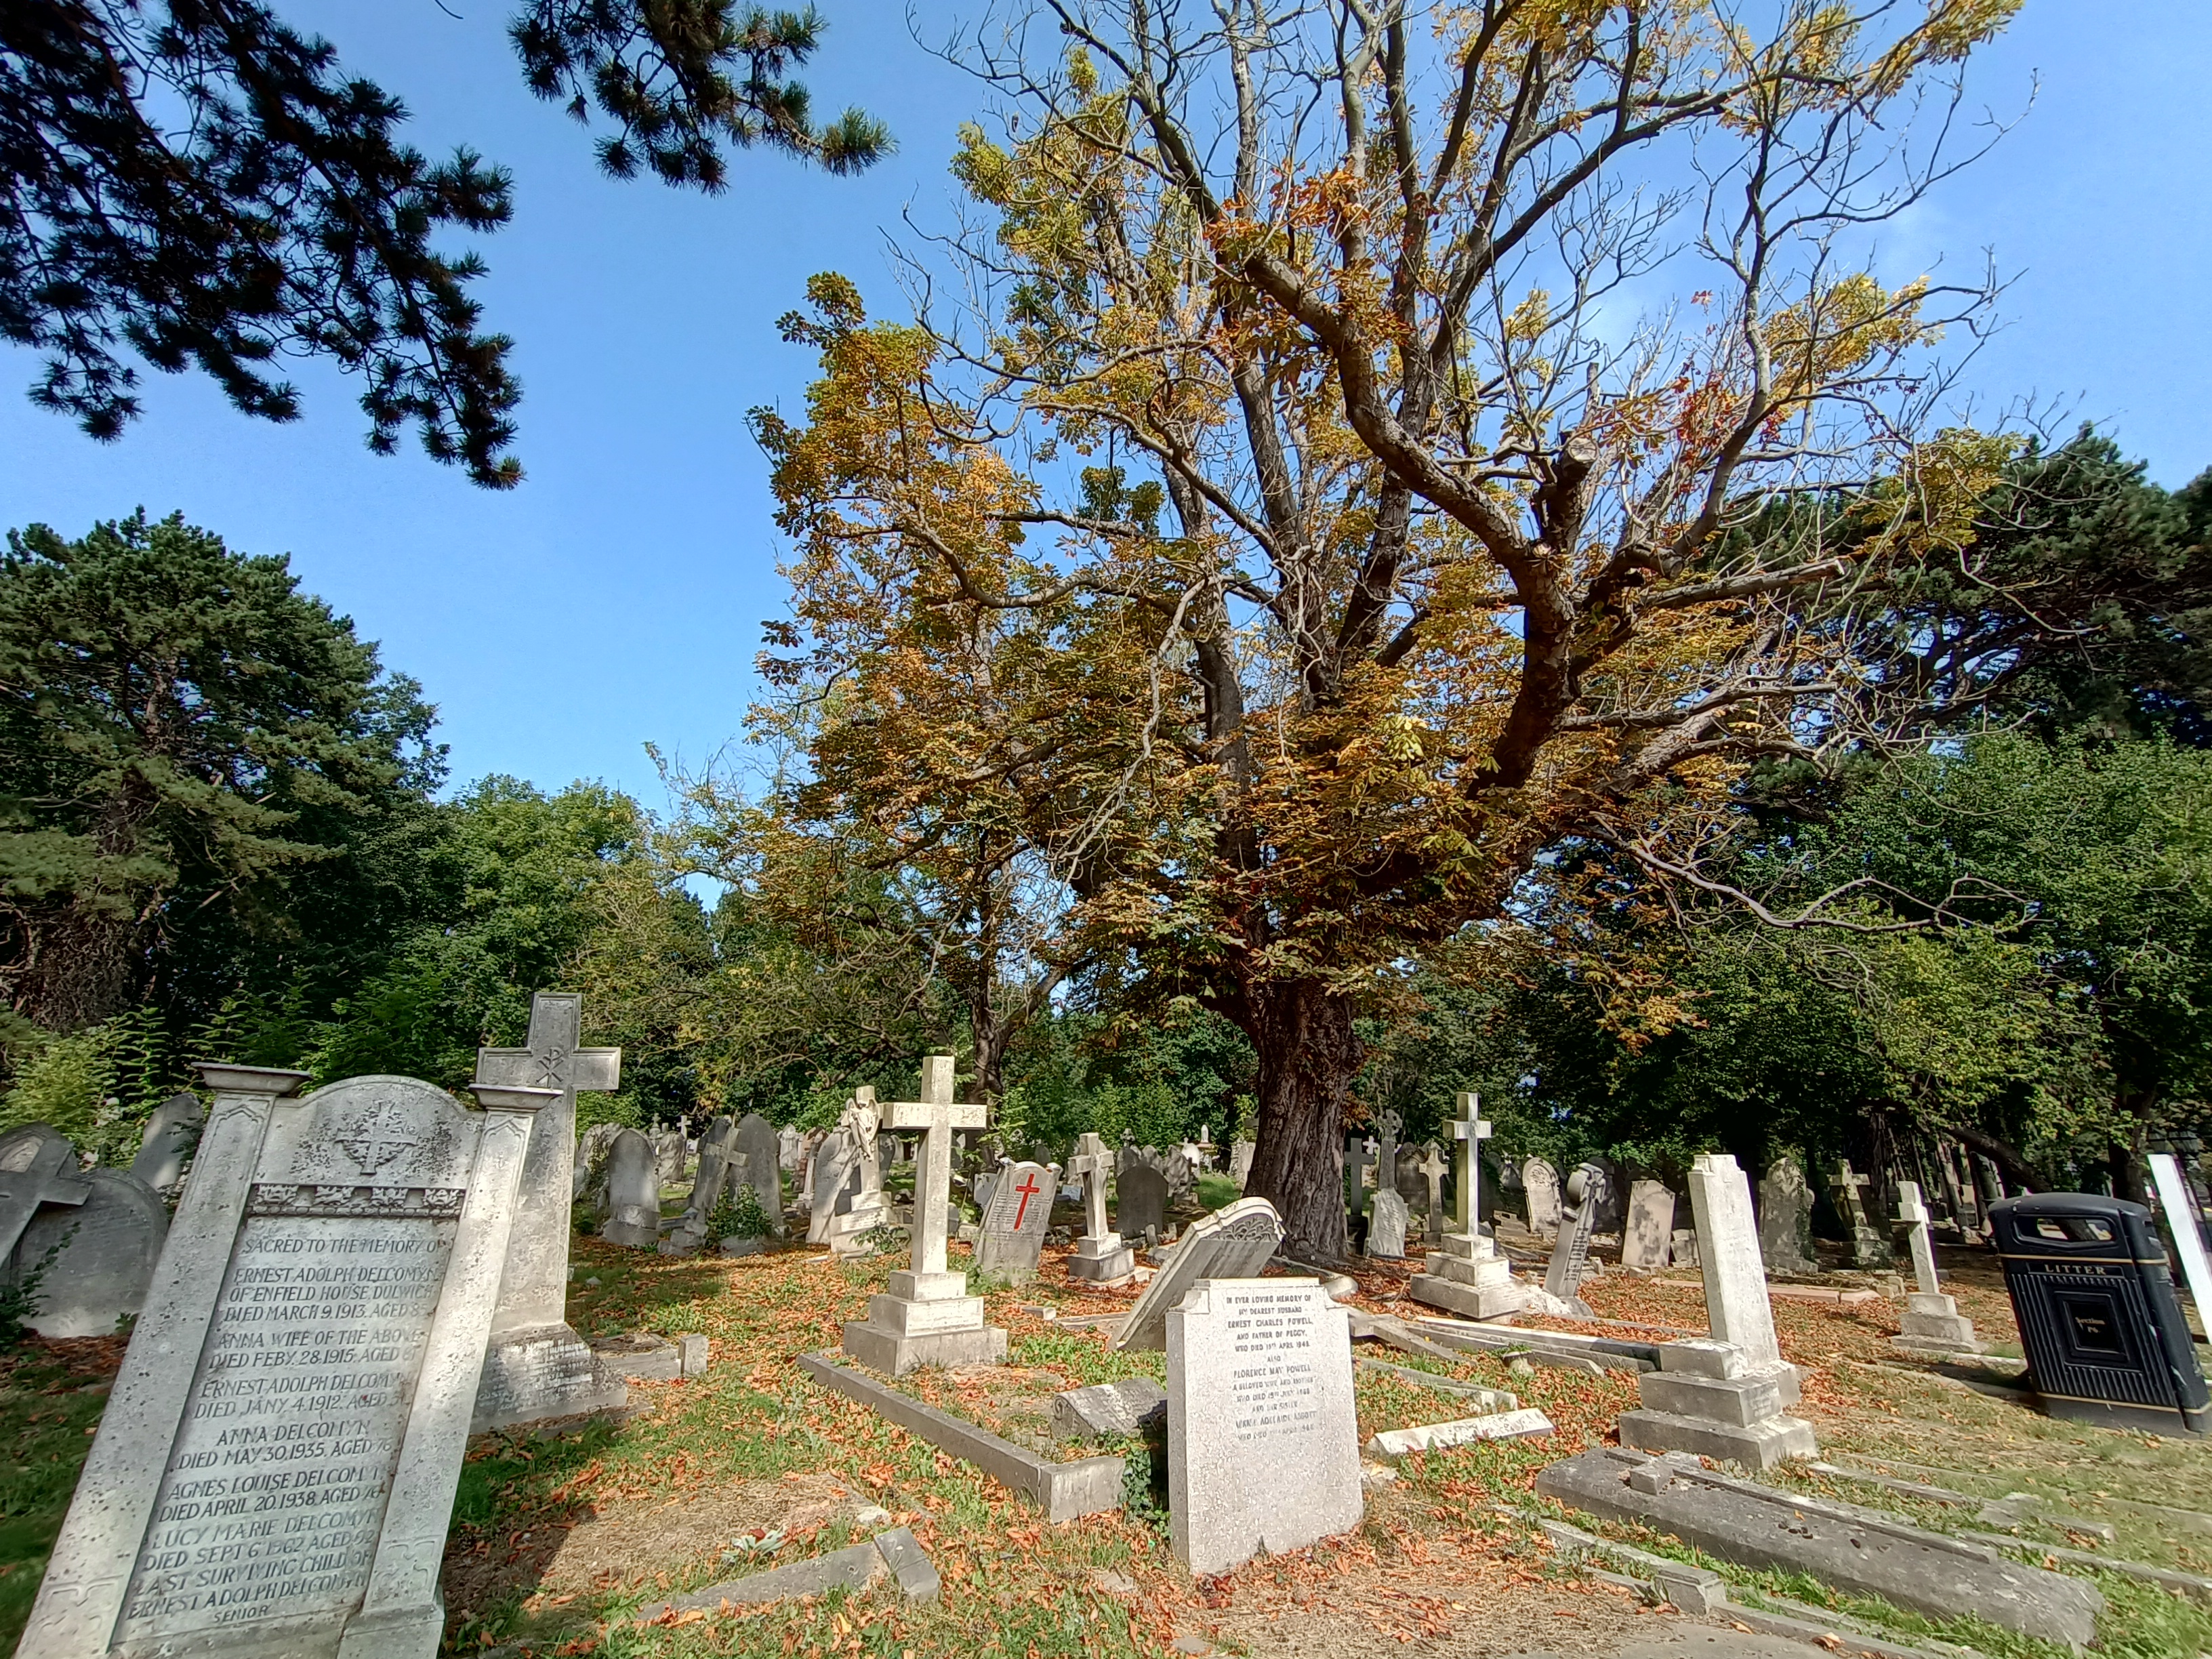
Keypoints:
pixel 1366 446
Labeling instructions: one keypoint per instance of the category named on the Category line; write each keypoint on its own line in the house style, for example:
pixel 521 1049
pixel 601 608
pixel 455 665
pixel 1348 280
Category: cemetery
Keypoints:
pixel 1385 830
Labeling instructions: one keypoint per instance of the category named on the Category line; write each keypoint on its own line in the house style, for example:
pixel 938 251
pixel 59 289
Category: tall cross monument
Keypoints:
pixel 927 1317
pixel 536 1366
pixel 1467 1275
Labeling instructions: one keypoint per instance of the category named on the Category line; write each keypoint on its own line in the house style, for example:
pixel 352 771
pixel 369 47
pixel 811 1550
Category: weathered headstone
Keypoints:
pixel 1644 1241
pixel 1932 1322
pixel 1433 1168
pixel 1467 1274
pixel 716 1151
pixel 167 1140
pixel 1726 1397
pixel 1101 1256
pixel 1012 1237
pixel 37 1166
pixel 1965 1209
pixel 537 1366
pixel 1234 1241
pixel 1870 1250
pixel 1785 1218
pixel 1358 1162
pixel 1570 1264
pixel 633 1193
pixel 864 1206
pixel 1140 1201
pixel 927 1317
pixel 1240 1162
pixel 672 1154
pixel 105 1250
pixel 2179 1200
pixel 1182 1180
pixel 1540 1181
pixel 1685 1247
pixel 589 1178
pixel 275 1467
pixel 834 1175
pixel 1386 1221
pixel 1387 1125
pixel 757 1142
pixel 1263 1447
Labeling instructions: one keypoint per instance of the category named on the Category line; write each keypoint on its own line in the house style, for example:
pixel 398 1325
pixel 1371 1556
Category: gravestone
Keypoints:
pixel 633 1193
pixel 1240 1162
pixel 2176 1197
pixel 1540 1181
pixel 864 1206
pixel 1645 1241
pixel 1932 1322
pixel 589 1178
pixel 1263 1448
pixel 1386 1221
pixel 1358 1161
pixel 537 1367
pixel 1965 1207
pixel 105 1250
pixel 1387 1125
pixel 758 1143
pixel 1140 1202
pixel 1785 1218
pixel 1725 1396
pixel 167 1141
pixel 1101 1257
pixel 1013 1236
pixel 37 1167
pixel 1467 1273
pixel 276 1469
pixel 1870 1250
pixel 835 1176
pixel 1685 1247
pixel 716 1151
pixel 1234 1241
pixel 927 1317
pixel 1182 1182
pixel 671 1155
pixel 791 1150
pixel 1432 1170
pixel 1570 1265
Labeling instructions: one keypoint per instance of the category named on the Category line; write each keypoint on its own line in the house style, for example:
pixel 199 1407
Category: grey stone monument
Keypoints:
pixel 1570 1265
pixel 537 1368
pixel 1388 1220
pixel 105 1250
pixel 1433 1168
pixel 1259 1385
pixel 1359 1160
pixel 167 1141
pixel 864 1205
pixel 671 1155
pixel 927 1317
pixel 1869 1249
pixel 1540 1182
pixel 1726 1397
pixel 716 1151
pixel 1646 1240
pixel 761 1148
pixel 1467 1274
pixel 589 1180
pixel 1234 1241
pixel 1014 1222
pixel 1785 1218
pixel 1100 1257
pixel 1140 1202
pixel 1240 1162
pixel 276 1469
pixel 1932 1322
pixel 37 1166
pixel 633 1193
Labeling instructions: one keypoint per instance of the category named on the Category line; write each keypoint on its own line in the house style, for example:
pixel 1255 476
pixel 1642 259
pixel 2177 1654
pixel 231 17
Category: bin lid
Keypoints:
pixel 2075 1225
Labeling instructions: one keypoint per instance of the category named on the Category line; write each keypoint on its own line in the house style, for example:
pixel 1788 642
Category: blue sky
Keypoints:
pixel 616 598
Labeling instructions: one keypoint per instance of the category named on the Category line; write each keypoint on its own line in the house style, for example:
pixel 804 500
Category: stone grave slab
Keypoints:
pixel 1106 1408
pixel 1014 1221
pixel 1522 1423
pixel 1258 1378
pixel 1646 1241
pixel 1140 1202
pixel 167 1140
pixel 1785 1218
pixel 633 1193
pixel 105 1252
pixel 276 1469
pixel 1234 1241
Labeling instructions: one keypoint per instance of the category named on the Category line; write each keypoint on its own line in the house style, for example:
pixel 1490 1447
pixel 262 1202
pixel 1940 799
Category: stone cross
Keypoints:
pixel 1433 1167
pixel 1912 1210
pixel 39 1169
pixel 1358 1159
pixel 937 1117
pixel 1092 1164
pixel 1850 1189
pixel 534 1284
pixel 1468 1131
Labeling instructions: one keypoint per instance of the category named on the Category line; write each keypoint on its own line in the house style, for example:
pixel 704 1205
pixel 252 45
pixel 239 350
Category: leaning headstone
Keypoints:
pixel 104 1254
pixel 1140 1201
pixel 1101 1256
pixel 1467 1273
pixel 538 1367
pixel 2177 1198
pixel 1540 1181
pixel 1176 1170
pixel 1932 1322
pixel 1240 1161
pixel 716 1153
pixel 589 1177
pixel 1259 1385
pixel 673 1154
pixel 1012 1237
pixel 836 1177
pixel 1726 1397
pixel 761 1148
pixel 1870 1250
pixel 1386 1221
pixel 38 1168
pixel 1570 1265
pixel 1646 1240
pixel 633 1193
pixel 167 1141
pixel 1234 1241
pixel 927 1317
pixel 1785 1218
pixel 276 1469
pixel 866 1206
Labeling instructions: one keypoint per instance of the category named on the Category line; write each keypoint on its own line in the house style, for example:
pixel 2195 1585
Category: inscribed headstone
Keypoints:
pixel 275 1467
pixel 1234 1241
pixel 1646 1240
pixel 1386 1221
pixel 715 1152
pixel 1785 1218
pixel 672 1154
pixel 1569 1263
pixel 1263 1446
pixel 1140 1201
pixel 104 1254
pixel 633 1193
pixel 1012 1237
pixel 167 1141
pixel 1540 1181
pixel 757 1142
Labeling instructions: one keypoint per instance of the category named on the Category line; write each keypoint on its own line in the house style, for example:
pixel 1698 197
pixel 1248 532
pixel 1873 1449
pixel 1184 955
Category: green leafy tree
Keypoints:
pixel 282 215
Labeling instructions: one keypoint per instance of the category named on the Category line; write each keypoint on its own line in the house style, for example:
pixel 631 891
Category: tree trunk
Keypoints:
pixel 2008 1157
pixel 1308 1055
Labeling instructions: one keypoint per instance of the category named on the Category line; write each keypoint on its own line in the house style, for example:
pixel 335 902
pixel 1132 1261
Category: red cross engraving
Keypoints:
pixel 1029 1189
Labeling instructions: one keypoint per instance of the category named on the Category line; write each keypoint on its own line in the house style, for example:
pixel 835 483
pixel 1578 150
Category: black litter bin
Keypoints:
pixel 2093 1295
